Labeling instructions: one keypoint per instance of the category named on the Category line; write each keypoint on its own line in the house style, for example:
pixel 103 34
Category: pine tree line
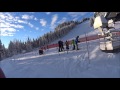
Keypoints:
pixel 17 47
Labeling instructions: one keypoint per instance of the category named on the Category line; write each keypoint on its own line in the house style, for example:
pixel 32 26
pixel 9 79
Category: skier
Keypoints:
pixel 67 45
pixel 60 44
pixel 73 43
pixel 76 42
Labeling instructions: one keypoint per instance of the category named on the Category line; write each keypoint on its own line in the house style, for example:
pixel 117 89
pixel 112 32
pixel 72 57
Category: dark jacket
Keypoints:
pixel 77 39
pixel 60 43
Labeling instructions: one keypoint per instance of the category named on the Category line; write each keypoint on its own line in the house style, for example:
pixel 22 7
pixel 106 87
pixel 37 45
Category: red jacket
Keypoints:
pixel 2 75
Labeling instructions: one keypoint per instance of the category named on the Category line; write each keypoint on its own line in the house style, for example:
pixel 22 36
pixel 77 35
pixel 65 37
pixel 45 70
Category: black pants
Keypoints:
pixel 67 47
pixel 61 48
pixel 77 46
pixel 40 52
pixel 73 47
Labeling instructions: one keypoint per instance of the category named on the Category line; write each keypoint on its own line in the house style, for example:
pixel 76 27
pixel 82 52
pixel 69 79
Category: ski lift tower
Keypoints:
pixel 101 22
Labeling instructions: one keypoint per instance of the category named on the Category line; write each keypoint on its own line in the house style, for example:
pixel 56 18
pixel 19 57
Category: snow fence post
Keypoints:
pixel 87 46
pixel 99 40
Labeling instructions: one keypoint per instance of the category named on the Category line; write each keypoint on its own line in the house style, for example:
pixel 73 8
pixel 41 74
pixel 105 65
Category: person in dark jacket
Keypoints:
pixel 67 45
pixel 76 42
pixel 40 51
pixel 60 44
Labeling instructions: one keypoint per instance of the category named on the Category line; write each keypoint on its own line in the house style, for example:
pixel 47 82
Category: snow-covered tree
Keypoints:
pixel 1 50
pixel 12 48
pixel 28 45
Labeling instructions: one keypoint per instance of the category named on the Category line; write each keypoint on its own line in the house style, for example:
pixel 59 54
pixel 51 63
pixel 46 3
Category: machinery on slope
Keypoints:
pixel 105 23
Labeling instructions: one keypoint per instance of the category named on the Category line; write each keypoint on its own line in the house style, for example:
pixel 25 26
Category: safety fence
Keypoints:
pixel 93 37
pixel 83 39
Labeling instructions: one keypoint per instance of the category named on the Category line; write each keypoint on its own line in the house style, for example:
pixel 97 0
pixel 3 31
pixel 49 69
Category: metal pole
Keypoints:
pixel 99 40
pixel 105 42
pixel 87 47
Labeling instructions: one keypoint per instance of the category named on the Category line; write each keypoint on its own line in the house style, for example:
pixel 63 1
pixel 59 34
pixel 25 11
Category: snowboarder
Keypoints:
pixel 67 45
pixel 76 42
pixel 73 43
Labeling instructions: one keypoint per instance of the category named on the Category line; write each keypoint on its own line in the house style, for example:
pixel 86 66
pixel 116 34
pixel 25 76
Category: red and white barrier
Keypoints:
pixel 89 38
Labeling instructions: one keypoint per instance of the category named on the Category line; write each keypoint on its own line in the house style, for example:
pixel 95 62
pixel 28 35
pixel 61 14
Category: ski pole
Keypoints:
pixel 87 47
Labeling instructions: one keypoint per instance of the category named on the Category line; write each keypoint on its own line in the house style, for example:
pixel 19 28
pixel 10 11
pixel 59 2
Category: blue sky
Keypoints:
pixel 21 25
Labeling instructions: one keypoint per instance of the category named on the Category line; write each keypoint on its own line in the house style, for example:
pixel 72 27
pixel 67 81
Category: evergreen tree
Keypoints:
pixel 1 50
pixel 28 45
pixel 11 48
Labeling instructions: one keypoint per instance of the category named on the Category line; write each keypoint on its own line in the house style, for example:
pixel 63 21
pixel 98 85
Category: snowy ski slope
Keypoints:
pixel 79 30
pixel 75 64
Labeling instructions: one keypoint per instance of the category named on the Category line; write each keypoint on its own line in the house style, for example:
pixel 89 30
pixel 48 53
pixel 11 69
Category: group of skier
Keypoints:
pixel 67 43
pixel 74 43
